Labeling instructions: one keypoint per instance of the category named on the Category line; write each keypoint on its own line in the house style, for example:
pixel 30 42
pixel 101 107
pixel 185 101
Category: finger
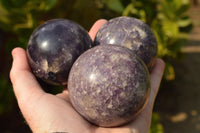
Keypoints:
pixel 97 25
pixel 64 95
pixel 156 77
pixel 24 83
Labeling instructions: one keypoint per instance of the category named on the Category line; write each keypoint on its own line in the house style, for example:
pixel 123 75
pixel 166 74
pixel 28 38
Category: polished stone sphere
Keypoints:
pixel 131 33
pixel 54 46
pixel 109 85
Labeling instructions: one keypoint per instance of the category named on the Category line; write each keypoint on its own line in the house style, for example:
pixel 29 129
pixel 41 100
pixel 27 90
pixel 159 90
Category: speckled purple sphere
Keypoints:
pixel 131 33
pixel 109 85
pixel 54 46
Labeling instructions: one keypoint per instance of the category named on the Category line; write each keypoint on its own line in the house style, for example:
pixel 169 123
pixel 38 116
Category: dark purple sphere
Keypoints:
pixel 131 33
pixel 109 85
pixel 54 46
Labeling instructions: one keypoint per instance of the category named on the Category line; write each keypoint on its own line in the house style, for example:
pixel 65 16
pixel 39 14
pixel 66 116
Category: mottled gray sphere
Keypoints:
pixel 54 46
pixel 131 33
pixel 109 85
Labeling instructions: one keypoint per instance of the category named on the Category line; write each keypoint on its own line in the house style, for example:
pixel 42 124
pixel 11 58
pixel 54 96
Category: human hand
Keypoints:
pixel 45 112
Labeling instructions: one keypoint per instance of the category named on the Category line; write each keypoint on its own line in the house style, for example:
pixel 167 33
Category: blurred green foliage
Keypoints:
pixel 21 14
pixel 156 126
pixel 167 18
pixel 169 21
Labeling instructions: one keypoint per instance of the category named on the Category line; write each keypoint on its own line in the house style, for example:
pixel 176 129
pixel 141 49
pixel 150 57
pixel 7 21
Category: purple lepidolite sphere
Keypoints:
pixel 109 85
pixel 54 46
pixel 131 33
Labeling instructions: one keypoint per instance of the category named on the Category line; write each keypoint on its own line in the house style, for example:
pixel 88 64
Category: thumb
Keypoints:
pixel 24 82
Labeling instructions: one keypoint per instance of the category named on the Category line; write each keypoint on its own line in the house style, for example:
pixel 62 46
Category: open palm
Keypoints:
pixel 45 112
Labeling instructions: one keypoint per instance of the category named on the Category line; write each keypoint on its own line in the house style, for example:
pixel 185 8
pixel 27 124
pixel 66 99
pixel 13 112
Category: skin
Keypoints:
pixel 45 112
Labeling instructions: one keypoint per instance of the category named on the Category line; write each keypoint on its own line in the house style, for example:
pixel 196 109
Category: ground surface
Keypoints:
pixel 179 102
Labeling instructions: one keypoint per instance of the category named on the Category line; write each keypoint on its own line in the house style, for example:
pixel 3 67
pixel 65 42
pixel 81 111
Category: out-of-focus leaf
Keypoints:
pixel 167 7
pixel 169 73
pixel 156 126
pixel 133 11
pixel 182 10
pixel 27 24
pixel 47 4
pixel 130 9
pixel 115 5
pixel 184 21
pixel 142 14
pixel 170 28
pixel 180 3
pixel 162 50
